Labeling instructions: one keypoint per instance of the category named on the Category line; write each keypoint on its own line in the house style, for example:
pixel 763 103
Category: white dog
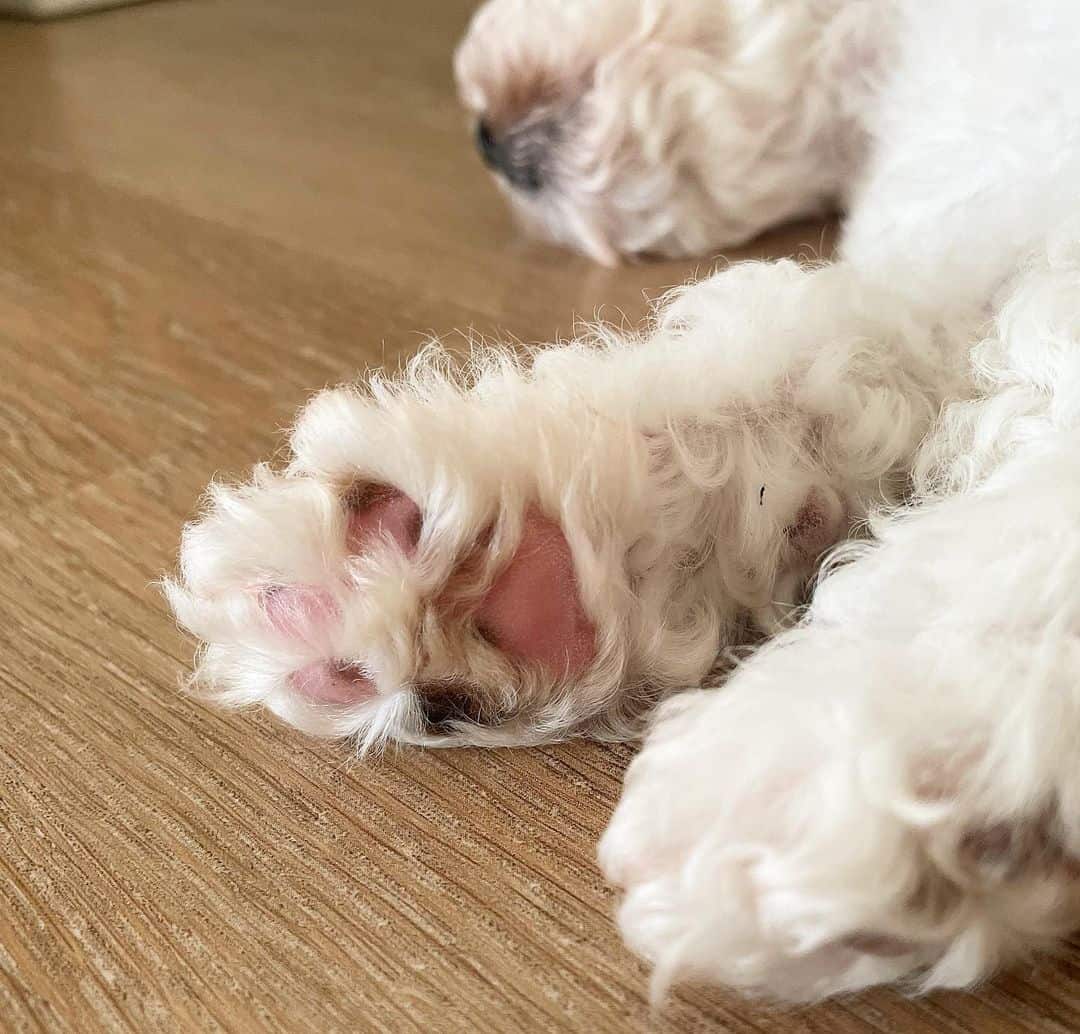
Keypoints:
pixel 521 552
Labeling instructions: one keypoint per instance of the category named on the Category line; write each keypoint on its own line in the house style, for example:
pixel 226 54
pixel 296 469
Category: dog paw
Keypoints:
pixel 399 579
pixel 513 553
pixel 788 837
pixel 447 562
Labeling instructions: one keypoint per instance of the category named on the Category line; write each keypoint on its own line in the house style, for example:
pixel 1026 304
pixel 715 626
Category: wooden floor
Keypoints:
pixel 207 211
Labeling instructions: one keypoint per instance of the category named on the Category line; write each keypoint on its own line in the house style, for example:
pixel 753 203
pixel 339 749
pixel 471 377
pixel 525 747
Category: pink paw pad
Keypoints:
pixel 378 512
pixel 328 683
pixel 298 611
pixel 305 613
pixel 533 611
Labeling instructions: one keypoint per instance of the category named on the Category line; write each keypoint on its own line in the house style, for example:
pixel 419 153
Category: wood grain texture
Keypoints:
pixel 208 211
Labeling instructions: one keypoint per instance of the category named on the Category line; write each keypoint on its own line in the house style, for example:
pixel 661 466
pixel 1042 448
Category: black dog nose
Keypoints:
pixel 515 155
pixel 487 145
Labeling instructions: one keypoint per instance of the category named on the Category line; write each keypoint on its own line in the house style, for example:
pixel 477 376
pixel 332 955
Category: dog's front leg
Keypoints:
pixel 890 790
pixel 521 552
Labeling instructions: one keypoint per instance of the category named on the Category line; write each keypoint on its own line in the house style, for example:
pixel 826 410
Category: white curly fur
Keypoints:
pixel 888 789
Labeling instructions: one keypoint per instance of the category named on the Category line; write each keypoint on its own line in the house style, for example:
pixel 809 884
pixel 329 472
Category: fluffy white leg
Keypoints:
pixel 514 554
pixel 893 789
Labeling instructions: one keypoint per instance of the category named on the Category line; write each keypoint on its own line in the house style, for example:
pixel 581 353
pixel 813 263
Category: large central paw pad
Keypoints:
pixel 533 610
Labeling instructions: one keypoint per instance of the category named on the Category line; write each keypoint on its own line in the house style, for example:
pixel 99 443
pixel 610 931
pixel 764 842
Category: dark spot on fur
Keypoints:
pixel 444 704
